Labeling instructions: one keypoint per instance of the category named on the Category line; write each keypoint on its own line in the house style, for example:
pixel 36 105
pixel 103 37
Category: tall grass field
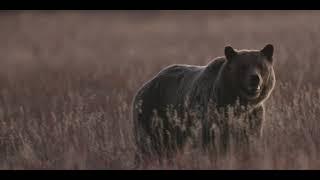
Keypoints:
pixel 68 78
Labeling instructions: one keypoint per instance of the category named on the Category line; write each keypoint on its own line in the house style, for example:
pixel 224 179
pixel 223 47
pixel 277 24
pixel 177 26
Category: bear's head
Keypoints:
pixel 250 73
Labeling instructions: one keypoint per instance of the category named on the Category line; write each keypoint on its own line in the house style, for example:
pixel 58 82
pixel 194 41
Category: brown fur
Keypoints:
pixel 167 108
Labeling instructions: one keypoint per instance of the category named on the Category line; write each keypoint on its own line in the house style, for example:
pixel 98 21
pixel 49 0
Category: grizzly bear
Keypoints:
pixel 168 108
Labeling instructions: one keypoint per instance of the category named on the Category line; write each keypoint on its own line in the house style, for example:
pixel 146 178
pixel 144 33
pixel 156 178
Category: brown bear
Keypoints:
pixel 179 98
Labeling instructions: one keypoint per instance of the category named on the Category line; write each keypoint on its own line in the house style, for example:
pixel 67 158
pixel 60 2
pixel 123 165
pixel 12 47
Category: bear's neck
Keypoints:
pixel 223 93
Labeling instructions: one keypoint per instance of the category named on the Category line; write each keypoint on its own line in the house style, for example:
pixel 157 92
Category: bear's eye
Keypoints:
pixel 261 66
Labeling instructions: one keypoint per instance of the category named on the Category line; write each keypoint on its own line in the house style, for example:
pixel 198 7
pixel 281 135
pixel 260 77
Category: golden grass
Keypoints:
pixel 67 79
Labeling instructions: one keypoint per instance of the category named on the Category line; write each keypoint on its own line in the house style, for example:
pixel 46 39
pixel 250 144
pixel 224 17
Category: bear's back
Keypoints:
pixel 170 81
pixel 177 70
pixel 165 88
pixel 215 65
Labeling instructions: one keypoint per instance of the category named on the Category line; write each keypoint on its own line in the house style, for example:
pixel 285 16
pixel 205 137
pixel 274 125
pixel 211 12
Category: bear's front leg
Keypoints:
pixel 256 119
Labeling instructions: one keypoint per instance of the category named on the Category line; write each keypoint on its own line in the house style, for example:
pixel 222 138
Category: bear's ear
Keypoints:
pixel 229 52
pixel 268 51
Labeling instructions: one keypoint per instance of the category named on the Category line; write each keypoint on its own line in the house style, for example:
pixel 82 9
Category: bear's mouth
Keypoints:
pixel 252 92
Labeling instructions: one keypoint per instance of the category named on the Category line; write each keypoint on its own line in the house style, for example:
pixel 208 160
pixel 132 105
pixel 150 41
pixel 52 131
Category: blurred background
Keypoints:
pixel 67 79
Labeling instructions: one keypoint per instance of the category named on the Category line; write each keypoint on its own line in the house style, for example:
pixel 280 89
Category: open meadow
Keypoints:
pixel 67 79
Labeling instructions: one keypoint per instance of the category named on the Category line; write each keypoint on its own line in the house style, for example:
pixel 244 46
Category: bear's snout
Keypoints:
pixel 252 86
pixel 254 82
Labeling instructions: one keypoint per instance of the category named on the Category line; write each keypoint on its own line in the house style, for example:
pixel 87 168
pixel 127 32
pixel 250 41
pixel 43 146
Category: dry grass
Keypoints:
pixel 67 80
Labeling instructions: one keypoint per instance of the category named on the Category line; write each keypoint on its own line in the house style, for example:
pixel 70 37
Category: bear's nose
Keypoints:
pixel 254 80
